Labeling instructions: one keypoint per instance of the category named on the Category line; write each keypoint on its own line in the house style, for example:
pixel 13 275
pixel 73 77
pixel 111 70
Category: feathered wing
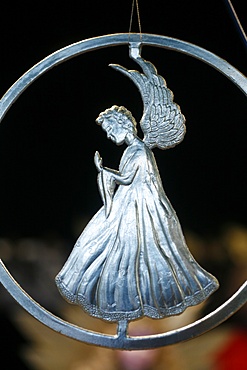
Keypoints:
pixel 162 123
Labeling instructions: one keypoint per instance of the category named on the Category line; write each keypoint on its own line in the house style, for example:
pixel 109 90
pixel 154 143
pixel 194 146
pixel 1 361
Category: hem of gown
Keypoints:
pixel 145 310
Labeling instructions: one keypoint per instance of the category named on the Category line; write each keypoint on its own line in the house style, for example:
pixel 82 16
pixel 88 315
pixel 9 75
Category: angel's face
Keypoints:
pixel 115 131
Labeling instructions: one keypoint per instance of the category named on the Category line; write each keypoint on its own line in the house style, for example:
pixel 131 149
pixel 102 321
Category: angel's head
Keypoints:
pixel 118 122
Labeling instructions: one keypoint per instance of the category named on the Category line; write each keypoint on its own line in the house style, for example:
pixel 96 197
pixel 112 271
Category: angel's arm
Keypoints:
pixel 123 178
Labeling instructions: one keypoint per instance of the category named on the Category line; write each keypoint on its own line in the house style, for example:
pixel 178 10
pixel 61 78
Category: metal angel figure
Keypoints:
pixel 132 259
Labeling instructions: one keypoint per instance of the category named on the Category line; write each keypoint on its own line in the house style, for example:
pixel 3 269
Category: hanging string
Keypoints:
pixel 135 2
pixel 237 21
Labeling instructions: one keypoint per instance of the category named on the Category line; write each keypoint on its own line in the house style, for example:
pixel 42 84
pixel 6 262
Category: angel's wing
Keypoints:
pixel 162 123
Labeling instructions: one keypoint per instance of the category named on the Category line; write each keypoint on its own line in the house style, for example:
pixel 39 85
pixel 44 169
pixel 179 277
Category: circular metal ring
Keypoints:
pixel 121 340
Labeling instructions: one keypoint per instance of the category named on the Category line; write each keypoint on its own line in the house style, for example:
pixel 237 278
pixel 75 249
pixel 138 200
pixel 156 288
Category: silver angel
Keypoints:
pixel 132 260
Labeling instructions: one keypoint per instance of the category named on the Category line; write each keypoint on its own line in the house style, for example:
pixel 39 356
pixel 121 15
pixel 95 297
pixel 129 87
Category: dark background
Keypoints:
pixel 49 136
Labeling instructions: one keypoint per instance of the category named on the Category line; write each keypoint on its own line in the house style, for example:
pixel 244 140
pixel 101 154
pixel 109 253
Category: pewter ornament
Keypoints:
pixel 121 340
pixel 132 260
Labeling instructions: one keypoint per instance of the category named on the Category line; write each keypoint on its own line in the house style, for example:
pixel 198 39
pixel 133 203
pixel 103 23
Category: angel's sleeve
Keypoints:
pixel 107 181
pixel 125 177
pixel 106 184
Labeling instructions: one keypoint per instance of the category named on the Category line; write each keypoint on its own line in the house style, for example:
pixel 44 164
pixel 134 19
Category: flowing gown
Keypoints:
pixel 132 260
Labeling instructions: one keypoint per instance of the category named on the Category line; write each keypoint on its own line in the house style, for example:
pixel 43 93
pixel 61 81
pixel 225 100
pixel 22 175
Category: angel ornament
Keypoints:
pixel 132 260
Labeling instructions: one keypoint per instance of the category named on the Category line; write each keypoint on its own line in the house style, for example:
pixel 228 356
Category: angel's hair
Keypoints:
pixel 123 116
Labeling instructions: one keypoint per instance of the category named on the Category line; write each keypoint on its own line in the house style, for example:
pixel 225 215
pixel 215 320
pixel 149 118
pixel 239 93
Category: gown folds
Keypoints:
pixel 132 260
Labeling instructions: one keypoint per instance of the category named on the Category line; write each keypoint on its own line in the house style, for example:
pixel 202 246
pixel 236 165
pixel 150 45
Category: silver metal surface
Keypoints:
pixel 162 122
pixel 121 340
pixel 132 260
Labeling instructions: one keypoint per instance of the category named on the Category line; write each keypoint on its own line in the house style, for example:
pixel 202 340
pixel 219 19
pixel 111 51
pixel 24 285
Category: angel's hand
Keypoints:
pixel 98 161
